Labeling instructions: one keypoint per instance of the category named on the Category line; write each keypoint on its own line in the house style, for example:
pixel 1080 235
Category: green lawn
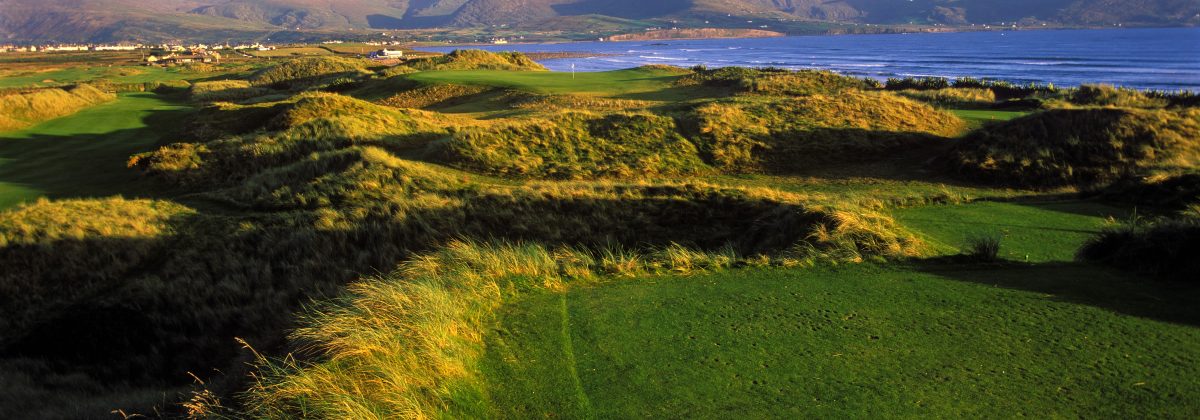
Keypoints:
pixel 977 118
pixel 84 154
pixel 920 339
pixel 640 83
pixel 1030 231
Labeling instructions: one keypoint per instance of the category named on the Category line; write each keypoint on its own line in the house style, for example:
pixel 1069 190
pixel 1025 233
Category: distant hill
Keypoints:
pixel 78 20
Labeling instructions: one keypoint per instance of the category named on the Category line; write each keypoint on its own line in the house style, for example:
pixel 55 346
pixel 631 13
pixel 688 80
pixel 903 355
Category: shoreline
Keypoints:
pixel 948 30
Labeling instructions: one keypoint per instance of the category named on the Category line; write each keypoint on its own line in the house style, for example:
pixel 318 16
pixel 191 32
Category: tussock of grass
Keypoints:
pixel 1164 248
pixel 577 145
pixel 224 90
pixel 781 134
pixel 953 97
pixel 1084 147
pixel 983 248
pixel 1106 95
pixel 25 109
pixel 773 81
pixel 310 72
pixel 476 59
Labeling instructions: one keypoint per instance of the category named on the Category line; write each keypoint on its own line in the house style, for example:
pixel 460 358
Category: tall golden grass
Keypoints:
pixel 577 145
pixel 29 108
pixel 774 134
pixel 1081 147
pixel 310 72
pixel 476 59
pixel 408 344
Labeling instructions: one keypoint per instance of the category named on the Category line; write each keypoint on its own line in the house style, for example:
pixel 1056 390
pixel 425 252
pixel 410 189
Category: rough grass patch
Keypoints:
pixel 28 108
pixel 1080 147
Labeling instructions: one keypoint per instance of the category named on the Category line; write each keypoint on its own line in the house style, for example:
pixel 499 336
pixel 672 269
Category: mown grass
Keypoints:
pixel 81 155
pixel 1035 232
pixel 941 341
pixel 976 118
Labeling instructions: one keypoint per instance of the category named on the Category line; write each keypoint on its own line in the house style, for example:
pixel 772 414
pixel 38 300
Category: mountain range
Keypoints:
pixel 116 20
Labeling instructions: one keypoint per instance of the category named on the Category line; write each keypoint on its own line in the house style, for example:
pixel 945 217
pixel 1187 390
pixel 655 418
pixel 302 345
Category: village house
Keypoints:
pixel 115 47
pixel 386 54
pixel 207 57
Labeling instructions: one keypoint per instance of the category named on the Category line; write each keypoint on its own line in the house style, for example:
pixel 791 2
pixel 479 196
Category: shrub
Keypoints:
pixel 772 81
pixel 983 248
pixel 953 97
pixel 1105 95
pixel 1084 147
pixel 1173 192
pixel 1005 90
pixel 1165 249
pixel 911 83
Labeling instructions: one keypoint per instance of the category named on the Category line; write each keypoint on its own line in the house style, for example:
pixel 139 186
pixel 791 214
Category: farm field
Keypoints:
pixel 470 235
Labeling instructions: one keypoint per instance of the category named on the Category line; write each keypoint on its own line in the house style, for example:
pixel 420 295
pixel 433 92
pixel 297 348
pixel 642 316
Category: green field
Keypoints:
pixel 83 155
pixel 978 118
pixel 1036 232
pixel 924 339
pixel 634 83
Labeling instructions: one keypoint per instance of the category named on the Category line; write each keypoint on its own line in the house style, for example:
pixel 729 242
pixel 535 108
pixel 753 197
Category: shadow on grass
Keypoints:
pixel 85 165
pixel 1079 283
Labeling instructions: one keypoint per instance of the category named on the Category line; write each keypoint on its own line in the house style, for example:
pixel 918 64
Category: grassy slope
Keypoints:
pixel 925 339
pixel 653 83
pixel 977 118
pixel 1033 232
pixel 83 155
pixel 82 74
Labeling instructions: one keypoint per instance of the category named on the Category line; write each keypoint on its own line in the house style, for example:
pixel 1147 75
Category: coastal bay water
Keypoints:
pixel 1159 58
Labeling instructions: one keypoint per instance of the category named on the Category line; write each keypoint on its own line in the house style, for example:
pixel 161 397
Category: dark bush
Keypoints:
pixel 1166 249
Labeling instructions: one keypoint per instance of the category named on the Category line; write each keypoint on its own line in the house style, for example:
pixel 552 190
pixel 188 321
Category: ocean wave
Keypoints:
pixel 655 57
pixel 868 65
